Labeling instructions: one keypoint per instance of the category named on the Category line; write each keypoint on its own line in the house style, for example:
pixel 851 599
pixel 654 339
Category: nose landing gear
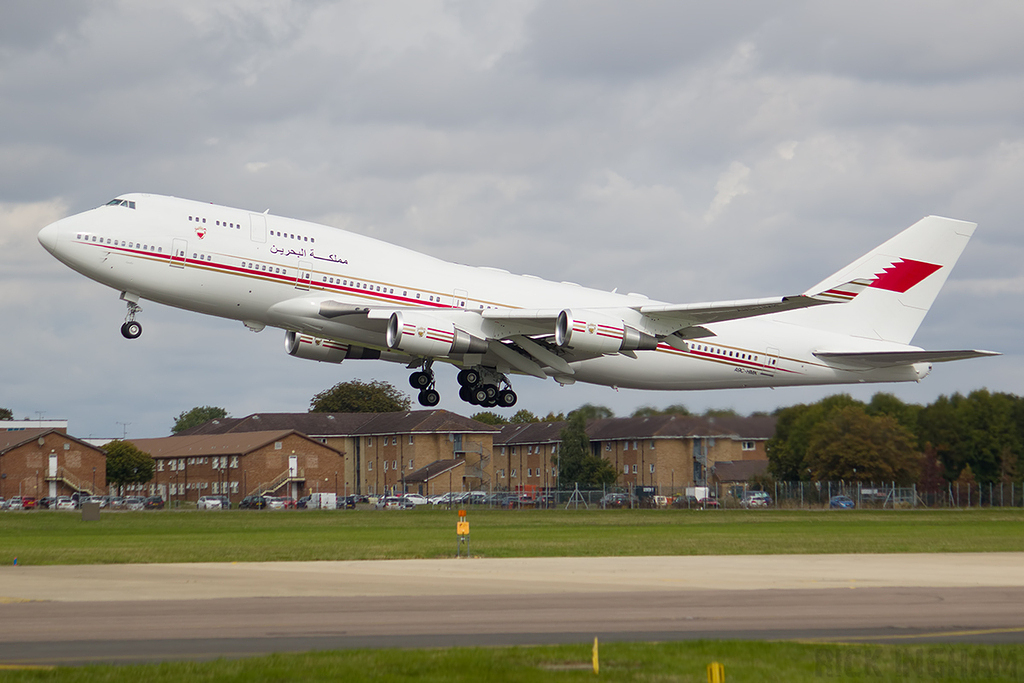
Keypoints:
pixel 132 329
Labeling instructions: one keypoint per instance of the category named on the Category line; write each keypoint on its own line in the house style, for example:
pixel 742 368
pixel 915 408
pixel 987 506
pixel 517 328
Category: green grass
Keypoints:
pixel 686 661
pixel 44 537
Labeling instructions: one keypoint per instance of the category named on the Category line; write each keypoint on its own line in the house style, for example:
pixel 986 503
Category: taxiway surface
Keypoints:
pixel 118 613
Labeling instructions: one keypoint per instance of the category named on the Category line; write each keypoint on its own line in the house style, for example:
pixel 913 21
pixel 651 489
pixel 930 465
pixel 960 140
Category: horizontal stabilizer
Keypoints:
pixel 888 359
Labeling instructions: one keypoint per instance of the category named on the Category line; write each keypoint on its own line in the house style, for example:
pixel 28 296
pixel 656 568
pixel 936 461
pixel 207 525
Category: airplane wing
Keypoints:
pixel 695 315
pixel 888 359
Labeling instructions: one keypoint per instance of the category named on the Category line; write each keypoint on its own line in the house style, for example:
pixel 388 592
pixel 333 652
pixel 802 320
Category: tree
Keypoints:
pixel 126 464
pixel 523 416
pixel 787 449
pixel 577 465
pixel 853 446
pixel 489 418
pixel 360 397
pixel 591 412
pixel 650 411
pixel 720 412
pixel 197 416
pixel 6 414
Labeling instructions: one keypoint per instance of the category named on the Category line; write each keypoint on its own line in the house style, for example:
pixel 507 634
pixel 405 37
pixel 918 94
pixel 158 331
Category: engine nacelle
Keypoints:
pixel 325 350
pixel 424 335
pixel 590 332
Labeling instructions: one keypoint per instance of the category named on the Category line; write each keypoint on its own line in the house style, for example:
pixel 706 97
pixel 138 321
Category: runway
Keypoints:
pixel 122 613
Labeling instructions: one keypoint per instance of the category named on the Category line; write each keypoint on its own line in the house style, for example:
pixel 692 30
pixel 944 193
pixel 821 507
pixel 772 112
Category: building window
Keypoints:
pixel 607 445
pixel 513 475
pixel 369 465
pixel 634 468
pixel 160 466
pixel 234 462
pixel 652 468
pixel 529 472
pixel 394 441
pixel 652 444
pixel 277 445
pixel 748 445
pixel 410 439
pixel 394 464
pixel 625 469
pixel 385 465
pixel 410 463
pixel 369 441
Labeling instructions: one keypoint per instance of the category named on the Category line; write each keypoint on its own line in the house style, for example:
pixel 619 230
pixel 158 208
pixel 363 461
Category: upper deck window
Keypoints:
pixel 121 202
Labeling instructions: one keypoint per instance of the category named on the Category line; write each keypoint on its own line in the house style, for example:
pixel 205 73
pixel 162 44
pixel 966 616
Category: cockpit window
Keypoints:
pixel 121 202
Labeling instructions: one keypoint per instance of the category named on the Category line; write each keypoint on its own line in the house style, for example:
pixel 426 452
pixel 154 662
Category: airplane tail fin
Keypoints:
pixel 902 277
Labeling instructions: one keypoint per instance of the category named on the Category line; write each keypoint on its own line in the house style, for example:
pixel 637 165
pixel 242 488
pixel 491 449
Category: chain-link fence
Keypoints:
pixel 784 495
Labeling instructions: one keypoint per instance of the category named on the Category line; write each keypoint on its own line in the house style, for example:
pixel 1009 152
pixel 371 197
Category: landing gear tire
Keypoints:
pixel 131 330
pixel 429 398
pixel 420 380
pixel 507 398
pixel 479 396
pixel 468 377
pixel 466 394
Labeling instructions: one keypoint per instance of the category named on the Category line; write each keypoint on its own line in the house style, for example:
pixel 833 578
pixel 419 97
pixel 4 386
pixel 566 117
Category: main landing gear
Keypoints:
pixel 487 388
pixel 132 329
pixel 424 381
pixel 480 387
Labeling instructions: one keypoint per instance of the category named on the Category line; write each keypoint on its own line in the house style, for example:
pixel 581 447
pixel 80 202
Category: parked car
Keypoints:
pixel 253 503
pixel 64 503
pixel 225 502
pixel 347 502
pixel 756 499
pixel 45 502
pixel 153 503
pixel 14 503
pixel 615 500
pixel 841 503
pixel 29 503
pixel 274 503
pixel 134 502
pixel 116 503
pixel 209 503
pixel 394 503
pixel 94 499
pixel 416 499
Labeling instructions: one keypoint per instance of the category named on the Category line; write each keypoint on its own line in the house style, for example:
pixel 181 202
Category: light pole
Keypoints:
pixel 94 481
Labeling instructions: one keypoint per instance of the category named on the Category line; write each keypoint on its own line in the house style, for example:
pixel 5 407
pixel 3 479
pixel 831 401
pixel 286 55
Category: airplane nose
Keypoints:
pixel 48 237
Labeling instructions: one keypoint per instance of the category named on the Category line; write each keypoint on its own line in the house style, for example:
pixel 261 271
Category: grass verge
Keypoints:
pixel 44 537
pixel 641 662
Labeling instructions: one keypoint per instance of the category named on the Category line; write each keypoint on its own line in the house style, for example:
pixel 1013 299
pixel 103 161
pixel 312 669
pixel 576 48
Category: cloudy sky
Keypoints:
pixel 689 151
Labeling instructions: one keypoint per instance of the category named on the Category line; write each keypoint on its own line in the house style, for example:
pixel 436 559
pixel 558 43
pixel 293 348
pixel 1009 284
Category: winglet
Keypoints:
pixel 841 293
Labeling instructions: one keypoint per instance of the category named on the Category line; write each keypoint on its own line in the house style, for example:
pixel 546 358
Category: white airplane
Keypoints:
pixel 342 296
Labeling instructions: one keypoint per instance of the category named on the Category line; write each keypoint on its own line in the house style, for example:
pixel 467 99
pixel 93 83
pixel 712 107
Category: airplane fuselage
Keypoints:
pixel 267 270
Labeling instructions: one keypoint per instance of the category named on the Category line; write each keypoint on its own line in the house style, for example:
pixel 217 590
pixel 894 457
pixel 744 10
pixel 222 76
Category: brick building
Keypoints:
pixel 281 462
pixel 48 462
pixel 666 451
pixel 380 450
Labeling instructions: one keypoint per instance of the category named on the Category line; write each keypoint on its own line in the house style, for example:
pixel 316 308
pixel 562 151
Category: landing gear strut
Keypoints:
pixel 424 381
pixel 132 329
pixel 487 388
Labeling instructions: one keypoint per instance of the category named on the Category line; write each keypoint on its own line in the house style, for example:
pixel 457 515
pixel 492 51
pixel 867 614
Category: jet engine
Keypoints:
pixel 424 335
pixel 325 350
pixel 590 332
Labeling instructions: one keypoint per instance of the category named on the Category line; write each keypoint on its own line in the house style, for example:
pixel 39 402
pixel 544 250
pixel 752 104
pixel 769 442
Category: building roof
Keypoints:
pixel 434 469
pixel 215 444
pixel 739 470
pixel 652 427
pixel 9 440
pixel 321 425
